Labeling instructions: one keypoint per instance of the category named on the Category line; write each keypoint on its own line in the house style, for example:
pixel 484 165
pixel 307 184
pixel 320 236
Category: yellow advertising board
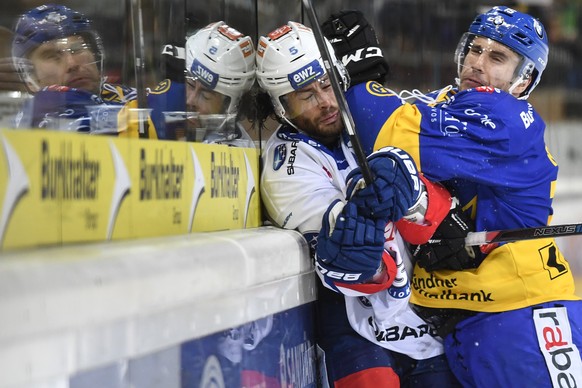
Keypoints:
pixel 59 188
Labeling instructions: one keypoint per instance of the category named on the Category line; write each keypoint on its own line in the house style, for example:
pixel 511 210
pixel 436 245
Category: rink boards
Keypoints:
pixel 60 188
pixel 129 263
pixel 203 309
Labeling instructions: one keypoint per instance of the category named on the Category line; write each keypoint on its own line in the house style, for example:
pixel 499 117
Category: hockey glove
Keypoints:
pixel 174 63
pixel 356 44
pixel 446 248
pixel 350 245
pixel 396 186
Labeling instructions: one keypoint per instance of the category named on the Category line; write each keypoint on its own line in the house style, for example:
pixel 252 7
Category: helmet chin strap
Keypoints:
pixel 286 119
pixel 281 114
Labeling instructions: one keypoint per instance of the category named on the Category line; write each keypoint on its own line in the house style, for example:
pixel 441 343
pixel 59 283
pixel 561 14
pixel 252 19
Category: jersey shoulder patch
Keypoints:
pixel 162 87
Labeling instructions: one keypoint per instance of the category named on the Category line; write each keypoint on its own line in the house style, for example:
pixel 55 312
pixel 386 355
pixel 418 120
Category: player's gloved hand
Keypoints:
pixel 396 186
pixel 355 43
pixel 446 248
pixel 174 62
pixel 61 107
pixel 349 245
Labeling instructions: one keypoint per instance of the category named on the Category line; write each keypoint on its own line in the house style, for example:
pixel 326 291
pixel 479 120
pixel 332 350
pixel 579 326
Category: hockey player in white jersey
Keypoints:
pixel 366 331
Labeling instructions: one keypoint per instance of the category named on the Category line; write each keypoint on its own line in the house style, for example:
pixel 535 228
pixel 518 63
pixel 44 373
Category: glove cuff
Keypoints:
pixel 390 269
pixel 439 204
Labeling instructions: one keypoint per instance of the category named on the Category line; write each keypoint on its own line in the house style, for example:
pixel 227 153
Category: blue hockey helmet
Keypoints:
pixel 521 32
pixel 48 22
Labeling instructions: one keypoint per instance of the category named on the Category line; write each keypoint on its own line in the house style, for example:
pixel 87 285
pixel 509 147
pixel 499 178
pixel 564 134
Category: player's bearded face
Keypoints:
pixel 203 100
pixel 314 110
pixel 489 63
pixel 66 62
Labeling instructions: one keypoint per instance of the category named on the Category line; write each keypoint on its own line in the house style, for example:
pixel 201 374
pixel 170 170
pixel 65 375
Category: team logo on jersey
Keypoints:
pixel 553 261
pixel 306 74
pixel 279 156
pixel 376 89
pixel 162 87
pixel 204 74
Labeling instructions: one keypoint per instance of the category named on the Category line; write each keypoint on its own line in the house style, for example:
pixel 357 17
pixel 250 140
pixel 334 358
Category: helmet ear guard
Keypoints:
pixel 288 59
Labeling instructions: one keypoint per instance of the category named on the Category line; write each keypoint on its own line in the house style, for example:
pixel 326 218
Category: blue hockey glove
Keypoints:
pixel 350 245
pixel 395 189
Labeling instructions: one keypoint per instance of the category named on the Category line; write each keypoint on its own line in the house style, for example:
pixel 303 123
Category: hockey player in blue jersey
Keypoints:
pixel 218 69
pixel 367 334
pixel 508 313
pixel 59 57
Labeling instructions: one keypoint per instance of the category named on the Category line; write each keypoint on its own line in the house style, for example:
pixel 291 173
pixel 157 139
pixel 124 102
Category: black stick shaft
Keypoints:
pixel 139 55
pixel 344 109
pixel 480 238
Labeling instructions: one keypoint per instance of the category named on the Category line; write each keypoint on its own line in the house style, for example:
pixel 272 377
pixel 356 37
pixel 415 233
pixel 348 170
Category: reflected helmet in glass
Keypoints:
pixel 223 60
pixel 521 32
pixel 46 23
pixel 288 59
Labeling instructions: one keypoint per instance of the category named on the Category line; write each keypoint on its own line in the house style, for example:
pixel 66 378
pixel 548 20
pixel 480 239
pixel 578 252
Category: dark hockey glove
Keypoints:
pixel 174 62
pixel 355 43
pixel 446 248
pixel 350 245
pixel 395 188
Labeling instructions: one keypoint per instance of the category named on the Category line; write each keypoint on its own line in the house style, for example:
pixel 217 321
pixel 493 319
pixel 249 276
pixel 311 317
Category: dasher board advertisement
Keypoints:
pixel 58 188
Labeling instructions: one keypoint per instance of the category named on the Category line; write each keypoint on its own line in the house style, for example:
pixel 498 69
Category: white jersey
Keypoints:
pixel 300 179
pixel 386 317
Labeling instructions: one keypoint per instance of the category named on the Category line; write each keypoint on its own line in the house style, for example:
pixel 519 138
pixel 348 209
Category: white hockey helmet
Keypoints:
pixel 223 60
pixel 288 59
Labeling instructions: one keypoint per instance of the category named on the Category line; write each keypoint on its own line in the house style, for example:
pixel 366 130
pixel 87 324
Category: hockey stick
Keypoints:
pixel 509 235
pixel 346 116
pixel 139 55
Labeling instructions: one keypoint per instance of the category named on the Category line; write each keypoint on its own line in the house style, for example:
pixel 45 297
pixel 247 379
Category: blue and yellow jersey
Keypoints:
pixel 130 124
pixel 167 96
pixel 488 148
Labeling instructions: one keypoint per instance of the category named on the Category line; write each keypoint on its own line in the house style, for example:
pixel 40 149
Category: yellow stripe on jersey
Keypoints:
pixel 401 130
